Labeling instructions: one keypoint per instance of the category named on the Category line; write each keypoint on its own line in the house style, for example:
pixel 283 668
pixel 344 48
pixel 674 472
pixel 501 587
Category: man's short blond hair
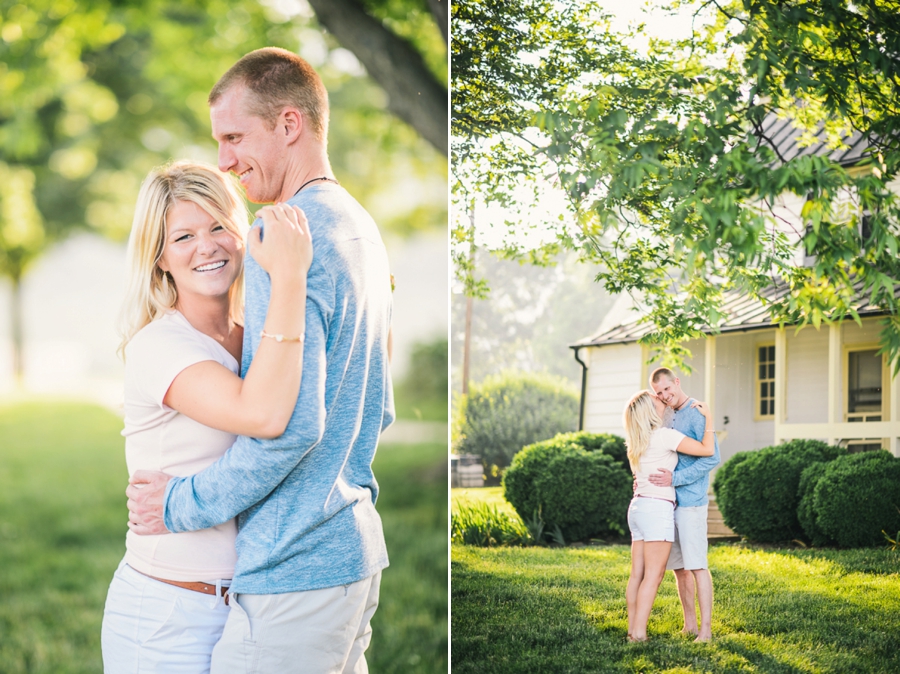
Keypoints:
pixel 661 372
pixel 276 79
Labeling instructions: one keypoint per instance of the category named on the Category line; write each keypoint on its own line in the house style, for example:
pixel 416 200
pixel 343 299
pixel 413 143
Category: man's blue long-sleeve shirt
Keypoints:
pixel 691 476
pixel 305 501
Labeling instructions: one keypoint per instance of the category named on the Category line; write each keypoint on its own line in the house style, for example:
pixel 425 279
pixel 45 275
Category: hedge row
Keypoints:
pixel 806 489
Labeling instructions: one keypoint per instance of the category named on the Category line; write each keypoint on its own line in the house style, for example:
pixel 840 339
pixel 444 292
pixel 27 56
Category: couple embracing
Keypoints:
pixel 672 448
pixel 253 544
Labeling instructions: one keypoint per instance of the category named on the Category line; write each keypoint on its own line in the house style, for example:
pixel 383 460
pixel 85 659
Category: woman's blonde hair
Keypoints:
pixel 150 292
pixel 640 420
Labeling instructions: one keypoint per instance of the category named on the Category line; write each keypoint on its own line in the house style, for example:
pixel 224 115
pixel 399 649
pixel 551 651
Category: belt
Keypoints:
pixel 197 586
pixel 656 498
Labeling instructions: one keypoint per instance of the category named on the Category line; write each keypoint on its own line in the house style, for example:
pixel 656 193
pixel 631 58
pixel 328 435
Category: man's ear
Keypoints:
pixel 290 124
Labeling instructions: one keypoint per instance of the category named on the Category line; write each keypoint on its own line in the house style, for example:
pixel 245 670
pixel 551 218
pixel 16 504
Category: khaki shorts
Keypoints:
pixel 319 631
pixel 689 549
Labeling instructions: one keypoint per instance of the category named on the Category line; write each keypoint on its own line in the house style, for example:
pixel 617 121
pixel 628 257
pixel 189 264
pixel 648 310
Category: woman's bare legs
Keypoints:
pixel 648 566
pixel 634 582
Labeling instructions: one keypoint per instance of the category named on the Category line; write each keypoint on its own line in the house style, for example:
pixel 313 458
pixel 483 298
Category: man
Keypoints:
pixel 310 544
pixel 691 480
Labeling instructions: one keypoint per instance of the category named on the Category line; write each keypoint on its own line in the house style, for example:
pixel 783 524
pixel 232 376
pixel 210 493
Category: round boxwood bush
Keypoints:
pixel 857 498
pixel 758 495
pixel 575 481
pixel 806 511
pixel 504 413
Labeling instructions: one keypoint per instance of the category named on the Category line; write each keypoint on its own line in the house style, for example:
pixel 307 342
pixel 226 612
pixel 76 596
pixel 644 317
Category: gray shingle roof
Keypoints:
pixel 782 136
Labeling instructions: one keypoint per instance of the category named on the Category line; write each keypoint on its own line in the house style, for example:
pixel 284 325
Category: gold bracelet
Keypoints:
pixel 711 430
pixel 282 338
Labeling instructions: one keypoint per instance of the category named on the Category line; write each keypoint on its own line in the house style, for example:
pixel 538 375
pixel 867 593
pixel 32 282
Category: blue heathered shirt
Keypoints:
pixel 691 476
pixel 305 501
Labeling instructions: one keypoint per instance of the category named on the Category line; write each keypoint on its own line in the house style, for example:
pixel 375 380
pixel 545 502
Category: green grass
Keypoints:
pixel 492 496
pixel 408 405
pixel 62 530
pixel 561 610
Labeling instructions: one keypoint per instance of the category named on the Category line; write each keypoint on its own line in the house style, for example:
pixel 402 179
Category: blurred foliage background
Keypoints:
pixel 94 94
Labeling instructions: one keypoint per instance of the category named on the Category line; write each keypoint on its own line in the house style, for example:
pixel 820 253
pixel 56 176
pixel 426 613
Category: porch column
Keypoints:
pixel 834 378
pixel 780 383
pixel 895 412
pixel 645 368
pixel 709 376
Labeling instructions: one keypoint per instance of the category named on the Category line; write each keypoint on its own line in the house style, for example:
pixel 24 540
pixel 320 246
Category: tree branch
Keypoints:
pixel 414 93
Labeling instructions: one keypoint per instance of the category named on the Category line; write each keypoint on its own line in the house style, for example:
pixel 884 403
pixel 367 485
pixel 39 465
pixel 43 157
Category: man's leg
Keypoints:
pixel 684 581
pixel 694 545
pixel 356 662
pixel 705 597
pixel 316 631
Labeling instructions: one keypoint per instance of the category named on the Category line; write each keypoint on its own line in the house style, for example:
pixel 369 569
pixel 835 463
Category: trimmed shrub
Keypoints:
pixel 806 511
pixel 485 525
pixel 857 498
pixel 506 412
pixel 575 481
pixel 428 371
pixel 758 495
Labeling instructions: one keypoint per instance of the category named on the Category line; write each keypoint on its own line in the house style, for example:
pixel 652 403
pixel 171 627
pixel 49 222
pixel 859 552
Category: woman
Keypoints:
pixel 651 513
pixel 185 400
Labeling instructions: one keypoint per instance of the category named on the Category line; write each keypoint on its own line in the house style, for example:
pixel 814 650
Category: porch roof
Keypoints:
pixel 742 312
pixel 782 136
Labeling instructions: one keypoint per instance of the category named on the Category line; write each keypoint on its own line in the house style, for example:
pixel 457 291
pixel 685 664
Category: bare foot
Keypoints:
pixel 703 638
pixel 633 640
pixel 689 632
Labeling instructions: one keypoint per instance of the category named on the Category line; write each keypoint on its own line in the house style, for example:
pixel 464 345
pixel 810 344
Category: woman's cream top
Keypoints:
pixel 159 438
pixel 659 454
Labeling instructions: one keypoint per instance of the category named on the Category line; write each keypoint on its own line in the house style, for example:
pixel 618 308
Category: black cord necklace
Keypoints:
pixel 327 179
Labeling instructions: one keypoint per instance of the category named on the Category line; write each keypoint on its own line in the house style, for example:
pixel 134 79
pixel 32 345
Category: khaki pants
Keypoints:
pixel 315 632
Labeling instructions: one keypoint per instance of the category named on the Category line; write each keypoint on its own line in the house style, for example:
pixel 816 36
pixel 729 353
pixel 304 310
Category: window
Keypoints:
pixel 857 446
pixel 864 385
pixel 765 381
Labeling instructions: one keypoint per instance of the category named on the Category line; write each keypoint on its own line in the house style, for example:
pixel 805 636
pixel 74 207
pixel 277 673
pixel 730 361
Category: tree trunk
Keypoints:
pixel 440 10
pixel 414 93
pixel 467 339
pixel 17 339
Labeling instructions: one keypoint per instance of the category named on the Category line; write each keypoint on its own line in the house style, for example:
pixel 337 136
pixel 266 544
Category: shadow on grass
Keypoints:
pixel 540 610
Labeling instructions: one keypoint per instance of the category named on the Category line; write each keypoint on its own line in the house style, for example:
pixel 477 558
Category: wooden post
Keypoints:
pixel 645 367
pixel 709 376
pixel 780 381
pixel 895 412
pixel 834 378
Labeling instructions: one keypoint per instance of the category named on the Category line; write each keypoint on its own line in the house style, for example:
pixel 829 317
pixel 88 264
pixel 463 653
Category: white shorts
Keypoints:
pixel 151 626
pixel 689 550
pixel 651 519
pixel 318 631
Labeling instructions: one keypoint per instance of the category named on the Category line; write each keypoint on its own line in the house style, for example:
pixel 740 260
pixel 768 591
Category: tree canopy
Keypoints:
pixel 673 183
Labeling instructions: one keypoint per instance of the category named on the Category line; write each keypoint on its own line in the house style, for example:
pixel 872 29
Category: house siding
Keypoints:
pixel 807 376
pixel 614 375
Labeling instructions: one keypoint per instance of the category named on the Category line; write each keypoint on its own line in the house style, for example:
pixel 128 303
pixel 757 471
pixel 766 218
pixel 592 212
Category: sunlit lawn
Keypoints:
pixel 62 527
pixel 491 495
pixel 563 610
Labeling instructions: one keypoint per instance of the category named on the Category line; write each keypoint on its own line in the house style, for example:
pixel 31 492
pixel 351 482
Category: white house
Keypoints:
pixel 765 384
